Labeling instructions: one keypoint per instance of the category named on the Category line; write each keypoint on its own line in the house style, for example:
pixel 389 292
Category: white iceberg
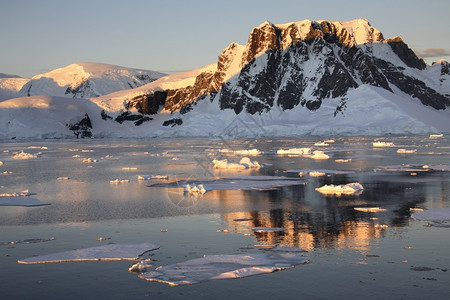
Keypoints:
pixel 317 171
pixel 195 189
pixel 321 144
pixel 244 163
pixel 316 174
pixel 319 155
pixel 406 151
pixel 101 253
pixel 212 267
pixel 370 209
pixel 435 136
pixel 435 214
pixel 294 151
pixel 250 152
pixel 347 189
pixel 117 181
pixel 24 155
pixel 379 144
pixel 141 266
pixel 150 177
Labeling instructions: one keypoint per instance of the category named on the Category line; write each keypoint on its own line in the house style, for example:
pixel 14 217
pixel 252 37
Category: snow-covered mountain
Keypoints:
pixel 306 77
pixel 10 85
pixel 86 79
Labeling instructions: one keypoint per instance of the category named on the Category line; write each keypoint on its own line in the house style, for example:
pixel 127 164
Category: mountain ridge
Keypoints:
pixel 305 77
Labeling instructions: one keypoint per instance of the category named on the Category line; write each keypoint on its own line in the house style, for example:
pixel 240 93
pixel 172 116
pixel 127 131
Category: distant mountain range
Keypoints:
pixel 306 77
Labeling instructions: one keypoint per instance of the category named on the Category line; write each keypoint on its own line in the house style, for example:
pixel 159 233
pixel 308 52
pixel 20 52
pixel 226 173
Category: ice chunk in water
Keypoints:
pixel 435 214
pixel 141 266
pixel 106 252
pixel 213 267
pixel 347 189
pixel 294 151
pixel 245 163
pixel 319 155
pixel 195 189
pixel 20 201
pixel 24 155
pixel 379 144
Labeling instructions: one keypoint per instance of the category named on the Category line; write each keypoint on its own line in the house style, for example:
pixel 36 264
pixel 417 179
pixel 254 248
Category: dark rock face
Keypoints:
pixel 82 90
pixel 82 128
pixel 137 119
pixel 149 104
pixel 406 54
pixel 173 122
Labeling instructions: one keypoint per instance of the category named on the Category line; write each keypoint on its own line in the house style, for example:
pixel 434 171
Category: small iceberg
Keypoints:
pixel 319 155
pixel 347 189
pixel 195 189
pixel 370 209
pixel 24 155
pixel 379 144
pixel 153 177
pixel 213 267
pixel 100 253
pixel 244 163
pixel 250 152
pixel 406 151
pixel 294 151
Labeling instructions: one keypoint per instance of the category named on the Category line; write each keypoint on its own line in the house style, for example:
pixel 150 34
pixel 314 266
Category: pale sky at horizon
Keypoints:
pixel 176 35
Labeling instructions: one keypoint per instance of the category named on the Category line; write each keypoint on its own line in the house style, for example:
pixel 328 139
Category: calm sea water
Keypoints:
pixel 353 253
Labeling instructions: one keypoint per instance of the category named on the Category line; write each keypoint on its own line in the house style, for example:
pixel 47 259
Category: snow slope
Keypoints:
pixel 10 86
pixel 87 79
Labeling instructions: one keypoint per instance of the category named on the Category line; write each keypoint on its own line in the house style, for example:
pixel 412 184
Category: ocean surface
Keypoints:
pixel 95 198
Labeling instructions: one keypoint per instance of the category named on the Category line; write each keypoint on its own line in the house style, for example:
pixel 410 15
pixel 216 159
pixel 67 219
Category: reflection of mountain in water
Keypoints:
pixel 331 222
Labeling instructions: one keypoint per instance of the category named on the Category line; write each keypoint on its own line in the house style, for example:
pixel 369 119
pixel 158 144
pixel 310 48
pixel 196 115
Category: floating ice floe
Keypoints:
pixel 62 178
pixel 269 229
pixel 28 241
pixel 319 155
pixel 370 209
pixel 236 183
pixel 382 144
pixel 195 189
pixel 24 155
pixel 435 214
pixel 294 151
pixel 89 160
pixel 155 177
pixel 244 163
pixel 319 171
pixel 21 201
pixel 117 181
pixel 24 193
pixel 347 189
pixel 129 168
pixel 100 253
pixel 141 266
pixel 413 168
pixel 406 151
pixel 321 144
pixel 250 152
pixel 212 267
pixel 340 160
pixel 316 174
pixel 435 136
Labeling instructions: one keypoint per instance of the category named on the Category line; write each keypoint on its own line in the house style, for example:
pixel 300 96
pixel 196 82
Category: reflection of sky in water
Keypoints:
pixel 311 220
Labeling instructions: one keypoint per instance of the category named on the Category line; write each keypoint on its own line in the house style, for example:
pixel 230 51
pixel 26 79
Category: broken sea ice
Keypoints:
pixel 100 253
pixel 347 189
pixel 211 267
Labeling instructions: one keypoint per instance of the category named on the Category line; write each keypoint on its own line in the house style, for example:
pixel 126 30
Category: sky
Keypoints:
pixel 170 36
